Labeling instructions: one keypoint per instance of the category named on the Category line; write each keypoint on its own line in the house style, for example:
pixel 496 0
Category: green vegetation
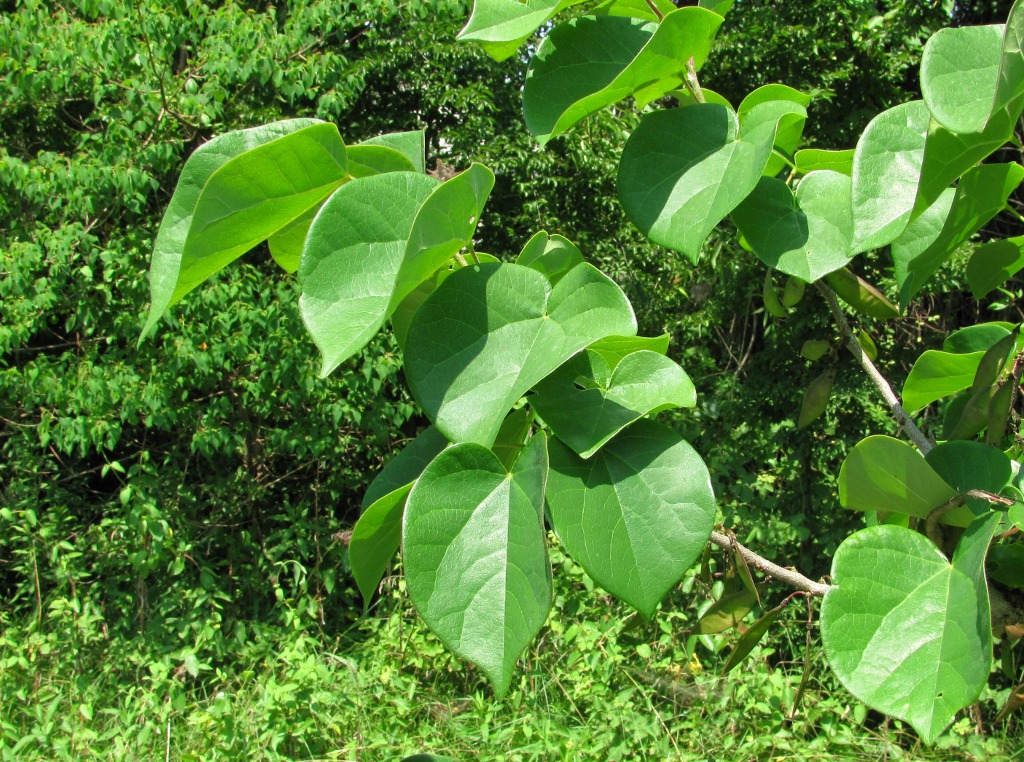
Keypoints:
pixel 170 551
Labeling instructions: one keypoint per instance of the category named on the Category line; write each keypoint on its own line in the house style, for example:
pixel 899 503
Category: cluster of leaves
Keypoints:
pixel 539 389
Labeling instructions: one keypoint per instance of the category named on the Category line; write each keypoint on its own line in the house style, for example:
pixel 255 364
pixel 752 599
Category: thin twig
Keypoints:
pixel 692 83
pixel 657 11
pixel 789 576
pixel 895 407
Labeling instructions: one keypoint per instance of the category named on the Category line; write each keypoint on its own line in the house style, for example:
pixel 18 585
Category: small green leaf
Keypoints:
pixel 636 515
pixel 501 26
pixel 861 295
pixel 375 539
pixel 591 62
pixel 939 374
pixel 884 474
pixel 1006 565
pixel 770 297
pixel 886 174
pixel 867 344
pixel 513 436
pixel 475 554
pixel 409 144
pixel 786 101
pixel 406 466
pixel 365 160
pixel 613 348
pixel 976 338
pixel 683 170
pixel 553 255
pixel 905 631
pixel 810 159
pixel 994 263
pixel 1017 515
pixel 751 638
pixel 490 332
pixel 815 398
pixel 725 613
pixel 814 349
pixel 793 293
pixel 806 235
pixel 286 244
pixel 968 466
pixel 585 418
pixel 959 73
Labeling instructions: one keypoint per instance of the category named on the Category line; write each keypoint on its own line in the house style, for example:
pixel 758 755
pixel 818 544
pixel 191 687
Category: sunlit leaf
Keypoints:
pixel 591 62
pixel 886 174
pixel 725 613
pixel 810 159
pixel 994 263
pixel 959 73
pixel 501 26
pixel 475 553
pixel 553 255
pixel 905 631
pixel 635 516
pixel 490 332
pixel 409 144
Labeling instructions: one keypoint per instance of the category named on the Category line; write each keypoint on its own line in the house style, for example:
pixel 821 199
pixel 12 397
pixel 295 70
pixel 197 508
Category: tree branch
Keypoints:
pixel 789 576
pixel 895 407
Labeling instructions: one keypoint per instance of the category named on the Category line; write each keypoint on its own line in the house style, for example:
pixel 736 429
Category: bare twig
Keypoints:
pixel 895 407
pixel 692 83
pixel 654 7
pixel 789 576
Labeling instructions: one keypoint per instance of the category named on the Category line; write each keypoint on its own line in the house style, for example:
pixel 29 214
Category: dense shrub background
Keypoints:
pixel 172 514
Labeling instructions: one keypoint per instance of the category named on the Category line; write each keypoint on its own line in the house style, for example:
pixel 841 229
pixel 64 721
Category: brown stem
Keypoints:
pixel 657 11
pixel 789 576
pixel 931 523
pixel 895 407
pixel 692 83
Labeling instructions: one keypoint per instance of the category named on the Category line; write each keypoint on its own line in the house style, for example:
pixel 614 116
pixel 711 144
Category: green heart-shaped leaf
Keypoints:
pixel 375 539
pixel 490 332
pixel 907 632
pixel 637 514
pixel 807 235
pixel 788 101
pixel 585 418
pixel 958 214
pixel 591 62
pixel 553 255
pixel 165 274
pixel 994 263
pixel 885 474
pixel 887 173
pixel 352 256
pixel 966 465
pixel 475 553
pixel 959 72
pixel 501 26
pixel 373 243
pixel 683 170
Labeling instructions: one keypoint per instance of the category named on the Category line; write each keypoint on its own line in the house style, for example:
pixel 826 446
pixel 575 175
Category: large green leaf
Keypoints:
pixel 994 263
pixel 884 474
pixel 976 338
pixel 933 237
pixel 501 26
pixel 586 402
pixel 637 514
pixel 959 72
pixel 683 170
pixel 167 263
pixel 939 374
pixel 591 62
pixel 966 465
pixel 475 555
pixel 364 160
pixel 906 632
pixel 637 9
pixel 373 243
pixel 490 332
pixel 808 234
pixel 787 101
pixel 352 256
pixel 886 174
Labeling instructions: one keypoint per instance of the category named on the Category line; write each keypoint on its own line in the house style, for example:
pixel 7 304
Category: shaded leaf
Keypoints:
pixel 815 398
pixel 375 539
pixel 751 638
pixel 725 613
pixel 406 466
pixel 861 295
pixel 994 263
pixel 585 418
pixel 553 255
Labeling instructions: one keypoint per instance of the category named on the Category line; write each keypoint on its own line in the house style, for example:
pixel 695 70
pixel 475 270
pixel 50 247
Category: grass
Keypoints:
pixel 599 686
